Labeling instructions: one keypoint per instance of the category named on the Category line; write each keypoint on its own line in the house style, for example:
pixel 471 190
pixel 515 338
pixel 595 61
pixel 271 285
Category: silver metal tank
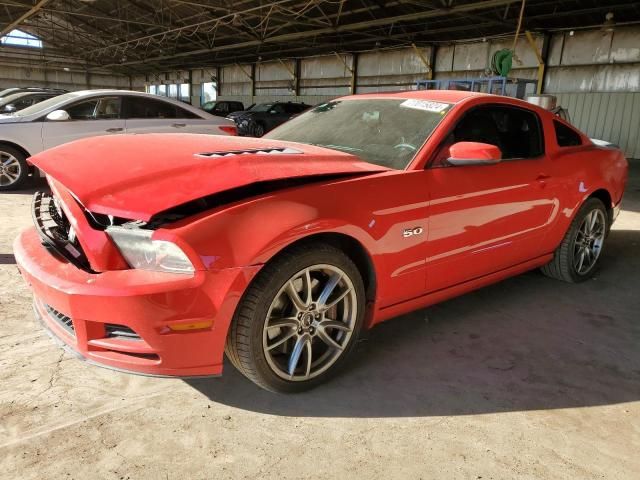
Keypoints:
pixel 546 101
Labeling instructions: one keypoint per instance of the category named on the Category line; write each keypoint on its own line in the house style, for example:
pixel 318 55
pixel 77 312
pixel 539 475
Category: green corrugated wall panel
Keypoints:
pixel 613 116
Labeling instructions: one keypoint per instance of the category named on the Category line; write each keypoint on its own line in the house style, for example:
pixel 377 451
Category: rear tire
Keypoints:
pixel 287 344
pixel 14 170
pixel 576 258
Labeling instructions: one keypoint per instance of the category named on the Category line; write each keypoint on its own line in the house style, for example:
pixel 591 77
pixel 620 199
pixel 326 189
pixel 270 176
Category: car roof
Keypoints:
pixel 133 93
pixel 111 91
pixel 82 94
pixel 30 93
pixel 448 96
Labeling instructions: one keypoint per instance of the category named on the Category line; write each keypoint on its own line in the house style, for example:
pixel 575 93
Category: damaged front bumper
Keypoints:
pixel 153 323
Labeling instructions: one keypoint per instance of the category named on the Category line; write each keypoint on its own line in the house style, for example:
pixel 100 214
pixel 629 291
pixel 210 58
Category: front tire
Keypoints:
pixel 258 130
pixel 299 320
pixel 14 170
pixel 576 258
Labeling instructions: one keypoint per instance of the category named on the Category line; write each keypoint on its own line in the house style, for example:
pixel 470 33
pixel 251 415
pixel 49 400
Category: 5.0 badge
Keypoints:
pixel 410 232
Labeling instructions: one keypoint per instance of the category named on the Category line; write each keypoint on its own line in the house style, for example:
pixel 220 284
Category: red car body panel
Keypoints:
pixel 479 224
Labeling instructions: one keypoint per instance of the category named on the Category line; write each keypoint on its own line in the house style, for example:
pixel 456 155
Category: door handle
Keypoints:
pixel 114 129
pixel 179 125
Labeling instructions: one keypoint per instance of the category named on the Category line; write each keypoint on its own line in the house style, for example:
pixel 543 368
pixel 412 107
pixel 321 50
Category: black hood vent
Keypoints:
pixel 252 151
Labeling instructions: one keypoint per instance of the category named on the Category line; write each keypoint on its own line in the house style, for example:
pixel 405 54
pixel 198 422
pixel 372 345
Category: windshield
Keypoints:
pixel 386 132
pixel 7 91
pixel 11 98
pixel 263 107
pixel 50 102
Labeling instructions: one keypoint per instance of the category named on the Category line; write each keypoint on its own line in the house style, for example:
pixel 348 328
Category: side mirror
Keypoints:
pixel 10 108
pixel 58 116
pixel 473 153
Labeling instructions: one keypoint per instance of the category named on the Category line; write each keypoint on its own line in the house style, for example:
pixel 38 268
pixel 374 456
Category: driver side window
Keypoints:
pixel 515 131
pixel 83 110
pixel 103 108
pixel 220 108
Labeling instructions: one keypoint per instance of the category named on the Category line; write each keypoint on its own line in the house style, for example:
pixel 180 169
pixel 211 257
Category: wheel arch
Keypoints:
pixel 353 248
pixel 604 196
pixel 16 146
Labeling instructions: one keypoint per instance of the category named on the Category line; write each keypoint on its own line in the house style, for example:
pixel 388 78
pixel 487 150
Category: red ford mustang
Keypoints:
pixel 157 254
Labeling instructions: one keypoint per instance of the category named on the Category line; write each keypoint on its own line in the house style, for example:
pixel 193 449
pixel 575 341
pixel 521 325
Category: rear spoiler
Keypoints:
pixel 604 143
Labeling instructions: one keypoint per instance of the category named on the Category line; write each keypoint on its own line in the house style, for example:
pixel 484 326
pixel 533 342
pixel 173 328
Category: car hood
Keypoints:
pixel 138 176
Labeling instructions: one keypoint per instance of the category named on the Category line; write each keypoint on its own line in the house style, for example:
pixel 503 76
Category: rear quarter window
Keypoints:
pixel 565 136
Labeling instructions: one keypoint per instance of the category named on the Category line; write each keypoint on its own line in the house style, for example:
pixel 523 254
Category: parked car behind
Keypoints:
pixel 234 115
pixel 21 100
pixel 91 113
pixel 222 108
pixel 12 90
pixel 267 116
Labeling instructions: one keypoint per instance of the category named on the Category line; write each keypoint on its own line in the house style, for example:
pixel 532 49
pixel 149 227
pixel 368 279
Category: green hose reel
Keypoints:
pixel 502 61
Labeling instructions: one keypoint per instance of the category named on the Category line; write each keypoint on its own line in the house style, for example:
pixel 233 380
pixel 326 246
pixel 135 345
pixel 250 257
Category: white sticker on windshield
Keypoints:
pixel 436 107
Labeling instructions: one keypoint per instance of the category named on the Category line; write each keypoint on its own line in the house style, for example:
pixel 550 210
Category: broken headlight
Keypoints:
pixel 141 251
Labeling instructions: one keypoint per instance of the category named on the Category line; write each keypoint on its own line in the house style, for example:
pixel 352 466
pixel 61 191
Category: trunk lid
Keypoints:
pixel 138 176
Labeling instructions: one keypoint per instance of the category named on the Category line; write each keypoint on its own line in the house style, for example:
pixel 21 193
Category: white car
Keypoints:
pixel 90 113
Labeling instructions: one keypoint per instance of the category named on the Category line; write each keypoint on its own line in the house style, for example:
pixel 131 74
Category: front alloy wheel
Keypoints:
pixel 258 130
pixel 299 319
pixel 309 323
pixel 14 170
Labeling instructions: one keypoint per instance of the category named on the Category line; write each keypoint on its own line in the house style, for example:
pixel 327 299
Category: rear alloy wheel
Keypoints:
pixel 14 170
pixel 299 320
pixel 576 257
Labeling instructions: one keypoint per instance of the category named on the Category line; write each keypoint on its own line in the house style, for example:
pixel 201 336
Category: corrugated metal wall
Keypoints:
pixel 596 76
pixel 14 72
pixel 611 116
pixel 595 73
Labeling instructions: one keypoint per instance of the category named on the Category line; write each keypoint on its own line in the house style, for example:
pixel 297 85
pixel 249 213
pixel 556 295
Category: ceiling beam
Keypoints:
pixel 287 37
pixel 327 47
pixel 23 17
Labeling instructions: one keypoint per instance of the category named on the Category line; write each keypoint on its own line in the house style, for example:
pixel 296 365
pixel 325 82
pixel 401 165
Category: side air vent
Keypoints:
pixel 61 319
pixel 254 151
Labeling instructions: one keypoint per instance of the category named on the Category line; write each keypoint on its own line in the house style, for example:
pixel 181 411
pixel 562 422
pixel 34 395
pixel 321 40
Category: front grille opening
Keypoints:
pixel 61 319
pixel 55 230
pixel 113 330
pixel 146 356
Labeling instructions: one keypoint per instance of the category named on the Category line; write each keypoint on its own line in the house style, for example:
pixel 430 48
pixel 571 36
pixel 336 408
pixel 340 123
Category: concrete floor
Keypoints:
pixel 530 378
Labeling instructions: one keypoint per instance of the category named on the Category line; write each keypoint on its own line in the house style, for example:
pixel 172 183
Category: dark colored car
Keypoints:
pixel 17 101
pixel 222 108
pixel 234 115
pixel 267 116
pixel 12 90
